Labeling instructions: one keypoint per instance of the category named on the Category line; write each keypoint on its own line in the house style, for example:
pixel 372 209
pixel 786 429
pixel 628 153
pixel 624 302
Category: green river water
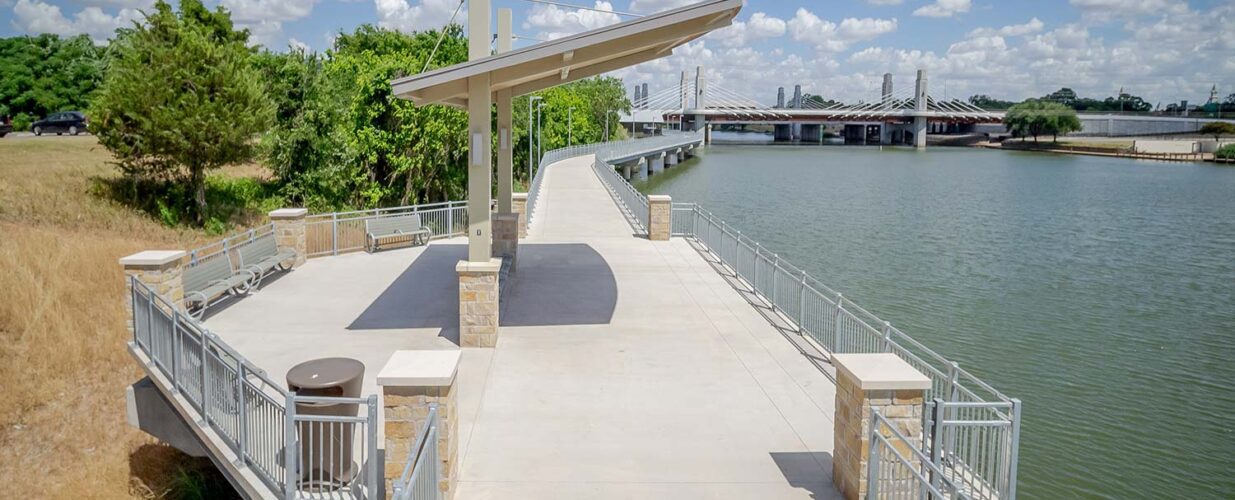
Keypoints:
pixel 1099 291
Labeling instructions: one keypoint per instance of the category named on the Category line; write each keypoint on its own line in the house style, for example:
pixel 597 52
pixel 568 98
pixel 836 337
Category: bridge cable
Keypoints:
pixel 581 7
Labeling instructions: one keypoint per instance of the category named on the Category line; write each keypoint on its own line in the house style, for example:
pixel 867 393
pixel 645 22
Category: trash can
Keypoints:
pixel 326 447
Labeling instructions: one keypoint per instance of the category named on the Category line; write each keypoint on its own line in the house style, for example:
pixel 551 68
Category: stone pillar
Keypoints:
pixel 161 270
pixel 518 205
pixel 506 237
pixel 289 231
pixel 656 163
pixel 671 158
pixel 478 302
pixel 660 217
pixel 411 381
pixel 641 169
pixel 865 381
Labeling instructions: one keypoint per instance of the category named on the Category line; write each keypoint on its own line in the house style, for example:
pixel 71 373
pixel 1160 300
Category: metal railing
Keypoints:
pixel 229 244
pixel 840 326
pixel 604 150
pixel 253 416
pixel 974 445
pixel 897 469
pixel 342 232
pixel 423 471
pixel 629 199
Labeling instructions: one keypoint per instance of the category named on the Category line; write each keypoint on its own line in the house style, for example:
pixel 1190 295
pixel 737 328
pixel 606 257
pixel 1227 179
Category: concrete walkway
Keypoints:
pixel 626 368
pixel 685 392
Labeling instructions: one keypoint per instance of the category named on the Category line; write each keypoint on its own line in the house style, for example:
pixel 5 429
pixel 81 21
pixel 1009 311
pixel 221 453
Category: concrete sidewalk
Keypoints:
pixel 625 368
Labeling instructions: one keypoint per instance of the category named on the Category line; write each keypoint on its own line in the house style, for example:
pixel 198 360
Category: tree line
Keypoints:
pixel 181 93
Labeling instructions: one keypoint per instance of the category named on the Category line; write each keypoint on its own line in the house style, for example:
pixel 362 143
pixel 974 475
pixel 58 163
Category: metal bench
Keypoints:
pixel 395 227
pixel 261 255
pixel 211 278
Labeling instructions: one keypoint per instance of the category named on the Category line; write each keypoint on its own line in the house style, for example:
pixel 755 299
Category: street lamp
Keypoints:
pixel 530 151
pixel 540 140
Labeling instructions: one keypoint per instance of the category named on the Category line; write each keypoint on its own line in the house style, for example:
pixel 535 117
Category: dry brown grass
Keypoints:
pixel 63 359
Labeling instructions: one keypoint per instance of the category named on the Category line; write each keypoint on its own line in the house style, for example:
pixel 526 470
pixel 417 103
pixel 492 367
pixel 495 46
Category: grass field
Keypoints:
pixel 63 359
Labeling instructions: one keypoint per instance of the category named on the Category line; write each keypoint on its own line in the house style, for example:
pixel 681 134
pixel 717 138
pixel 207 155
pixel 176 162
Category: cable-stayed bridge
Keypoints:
pixel 898 117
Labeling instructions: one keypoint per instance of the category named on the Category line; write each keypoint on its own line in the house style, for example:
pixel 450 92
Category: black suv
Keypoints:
pixel 6 126
pixel 72 122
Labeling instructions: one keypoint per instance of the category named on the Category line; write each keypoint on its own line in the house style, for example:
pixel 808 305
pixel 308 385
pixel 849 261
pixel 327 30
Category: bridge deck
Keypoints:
pixel 626 368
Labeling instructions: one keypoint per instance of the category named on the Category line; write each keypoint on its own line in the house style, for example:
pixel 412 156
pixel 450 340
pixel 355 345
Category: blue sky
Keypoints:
pixel 1163 50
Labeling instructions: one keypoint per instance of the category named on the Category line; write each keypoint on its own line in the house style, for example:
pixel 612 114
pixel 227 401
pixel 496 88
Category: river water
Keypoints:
pixel 1099 291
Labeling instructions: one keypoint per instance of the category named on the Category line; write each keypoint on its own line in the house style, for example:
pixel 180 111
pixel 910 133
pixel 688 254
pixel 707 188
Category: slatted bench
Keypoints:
pixel 262 255
pixel 397 228
pixel 211 278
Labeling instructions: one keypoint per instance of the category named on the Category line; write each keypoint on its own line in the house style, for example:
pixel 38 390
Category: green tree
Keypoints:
pixel 45 74
pixel 1037 117
pixel 181 96
pixel 1218 129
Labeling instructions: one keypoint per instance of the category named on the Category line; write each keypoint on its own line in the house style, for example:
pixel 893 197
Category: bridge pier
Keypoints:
pixel 671 158
pixel 782 133
pixel 656 163
pixel 812 132
pixel 641 169
pixel 919 132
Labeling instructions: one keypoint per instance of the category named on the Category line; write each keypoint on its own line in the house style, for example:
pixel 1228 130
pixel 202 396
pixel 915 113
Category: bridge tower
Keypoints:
pixel 701 104
pixel 887 87
pixel 780 97
pixel 795 130
pixel 645 96
pixel 919 121
pixel 635 101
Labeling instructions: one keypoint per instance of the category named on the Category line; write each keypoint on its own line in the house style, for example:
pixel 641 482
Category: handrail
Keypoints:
pixel 419 480
pixel 254 417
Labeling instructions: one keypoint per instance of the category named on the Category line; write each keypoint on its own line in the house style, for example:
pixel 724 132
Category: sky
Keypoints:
pixel 1162 50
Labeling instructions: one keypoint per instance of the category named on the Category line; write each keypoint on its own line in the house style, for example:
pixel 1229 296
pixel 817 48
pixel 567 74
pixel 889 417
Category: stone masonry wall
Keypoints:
pixel 289 232
pixel 518 205
pixel 660 217
pixel 405 410
pixel 851 450
pixel 478 305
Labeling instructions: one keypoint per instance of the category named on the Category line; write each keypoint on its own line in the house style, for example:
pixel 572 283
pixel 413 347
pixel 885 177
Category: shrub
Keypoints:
pixel 1227 152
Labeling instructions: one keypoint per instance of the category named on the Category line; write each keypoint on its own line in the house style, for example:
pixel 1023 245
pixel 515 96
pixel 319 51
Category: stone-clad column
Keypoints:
pixel 478 302
pixel 411 382
pixel 865 381
pixel 660 217
pixel 289 231
pixel 161 270
pixel 518 205
pixel 506 237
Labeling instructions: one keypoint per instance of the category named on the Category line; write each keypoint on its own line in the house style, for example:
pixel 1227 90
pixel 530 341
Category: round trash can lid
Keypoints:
pixel 324 372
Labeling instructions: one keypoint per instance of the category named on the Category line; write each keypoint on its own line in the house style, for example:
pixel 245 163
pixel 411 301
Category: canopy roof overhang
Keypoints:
pixel 565 60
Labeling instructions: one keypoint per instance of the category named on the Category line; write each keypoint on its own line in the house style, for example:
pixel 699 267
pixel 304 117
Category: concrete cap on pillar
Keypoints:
pixel 659 198
pixel 289 213
pixel 152 258
pixel 420 369
pixel 880 371
pixel 518 196
pixel 467 266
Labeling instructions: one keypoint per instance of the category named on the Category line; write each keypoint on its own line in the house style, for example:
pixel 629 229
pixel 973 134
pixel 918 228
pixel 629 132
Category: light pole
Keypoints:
pixel 530 151
pixel 570 130
pixel 540 140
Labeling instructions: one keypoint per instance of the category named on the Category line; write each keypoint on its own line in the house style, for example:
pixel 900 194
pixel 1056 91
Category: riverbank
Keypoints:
pixel 1095 150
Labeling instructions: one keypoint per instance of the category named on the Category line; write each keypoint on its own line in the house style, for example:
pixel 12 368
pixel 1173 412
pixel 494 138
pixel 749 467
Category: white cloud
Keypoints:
pixel 944 8
pixel 1034 25
pixel 555 22
pixel 35 16
pixel 741 33
pixel 649 6
pixel 268 10
pixel 424 15
pixel 299 45
pixel 884 2
pixel 828 36
pixel 1103 10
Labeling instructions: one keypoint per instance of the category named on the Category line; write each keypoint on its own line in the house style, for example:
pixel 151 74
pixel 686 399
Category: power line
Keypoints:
pixel 593 9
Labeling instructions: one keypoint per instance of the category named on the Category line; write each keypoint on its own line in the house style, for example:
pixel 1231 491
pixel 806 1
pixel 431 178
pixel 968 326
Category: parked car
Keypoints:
pixel 72 122
pixel 6 126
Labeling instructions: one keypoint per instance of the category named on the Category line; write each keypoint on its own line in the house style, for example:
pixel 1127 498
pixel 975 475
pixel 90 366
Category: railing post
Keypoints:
pixel 887 336
pixel 1015 449
pixel 290 448
pixel 242 417
pixel 840 308
pixel 755 279
pixel 372 487
pixel 175 351
pixel 150 322
pixel 775 281
pixel 450 219
pixel 936 434
pixel 334 233
pixel 953 387
pixel 205 380
pixel 872 465
pixel 802 305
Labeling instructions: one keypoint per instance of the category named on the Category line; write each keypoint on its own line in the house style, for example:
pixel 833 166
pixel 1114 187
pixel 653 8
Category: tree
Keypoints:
pixel 987 102
pixel 180 97
pixel 1037 117
pixel 1218 129
pixel 45 74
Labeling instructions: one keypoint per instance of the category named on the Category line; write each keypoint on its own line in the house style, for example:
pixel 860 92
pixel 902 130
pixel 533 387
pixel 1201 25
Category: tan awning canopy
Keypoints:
pixel 565 60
